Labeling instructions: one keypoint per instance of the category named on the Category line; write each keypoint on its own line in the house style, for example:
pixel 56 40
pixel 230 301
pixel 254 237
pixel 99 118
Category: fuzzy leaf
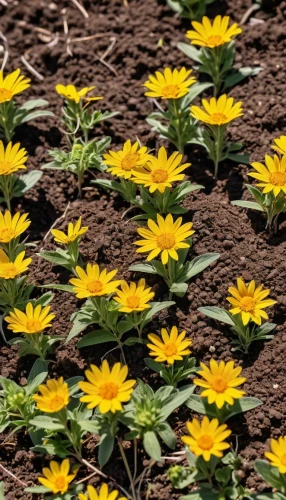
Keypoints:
pixel 248 204
pixel 190 51
pixel 269 474
pixel 217 313
pixel 152 446
pixel 198 264
pixel 178 399
pixel 96 337
pixel 106 446
pixel 144 267
pixel 44 422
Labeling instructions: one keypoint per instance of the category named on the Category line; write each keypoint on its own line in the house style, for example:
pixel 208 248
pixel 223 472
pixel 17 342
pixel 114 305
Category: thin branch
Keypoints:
pixel 6 471
pixel 66 31
pixel 248 13
pixel 56 222
pixel 108 50
pixel 6 50
pixel 31 69
pixel 81 8
pixel 91 37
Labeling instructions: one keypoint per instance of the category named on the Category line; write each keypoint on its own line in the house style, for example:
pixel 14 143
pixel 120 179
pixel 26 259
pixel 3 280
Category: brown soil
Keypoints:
pixel 240 238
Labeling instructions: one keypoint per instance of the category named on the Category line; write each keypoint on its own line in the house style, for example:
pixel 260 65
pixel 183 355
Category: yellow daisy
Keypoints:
pixel 12 158
pixel 12 84
pixel 280 144
pixel 248 301
pixel 35 320
pixel 217 111
pixel 70 93
pixel 207 438
pixel 169 348
pixel 75 231
pixel 159 173
pixel 93 283
pixel 53 397
pixel 102 495
pixel 123 163
pixel 134 297
pixel 57 477
pixel 8 269
pixel 12 227
pixel 169 84
pixel 213 35
pixel 272 175
pixel 106 388
pixel 277 456
pixel 220 380
pixel 165 237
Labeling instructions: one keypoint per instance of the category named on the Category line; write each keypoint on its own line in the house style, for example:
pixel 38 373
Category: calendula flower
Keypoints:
pixel 106 388
pixel 280 145
pixel 103 494
pixel 134 297
pixel 213 35
pixel 219 382
pixel 70 93
pixel 57 477
pixel 53 397
pixel 272 175
pixel 122 163
pixel 75 231
pixel 248 301
pixel 217 111
pixel 35 320
pixel 169 348
pixel 93 282
pixel 159 173
pixel 165 237
pixel 277 456
pixel 8 269
pixel 12 84
pixel 12 227
pixel 12 158
pixel 169 84
pixel 207 438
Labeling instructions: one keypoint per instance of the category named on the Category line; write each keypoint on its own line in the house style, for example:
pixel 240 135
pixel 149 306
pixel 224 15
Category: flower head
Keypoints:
pixel 219 382
pixel 134 297
pixel 75 231
pixel 35 320
pixel 159 173
pixel 272 175
pixel 12 158
pixel 12 84
pixel 57 477
pixel 165 237
pixel 54 396
pixel 106 388
pixel 12 227
pixel 169 84
pixel 93 283
pixel 8 269
pixel 277 456
pixel 103 494
pixel 280 145
pixel 70 93
pixel 124 162
pixel 248 301
pixel 217 111
pixel 213 35
pixel 207 438
pixel 169 348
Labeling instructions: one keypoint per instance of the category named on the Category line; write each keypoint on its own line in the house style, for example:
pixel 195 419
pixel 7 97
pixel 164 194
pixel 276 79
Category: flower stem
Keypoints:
pixel 127 469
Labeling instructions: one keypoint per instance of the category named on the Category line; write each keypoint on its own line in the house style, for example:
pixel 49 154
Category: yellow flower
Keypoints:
pixel 102 495
pixel 54 396
pixel 277 456
pixel 280 144
pixel 12 84
pixel 169 348
pixel 93 283
pixel 35 320
pixel 12 227
pixel 159 173
pixel 169 84
pixel 8 269
pixel 217 111
pixel 248 301
pixel 57 477
pixel 12 159
pixel 123 163
pixel 219 382
pixel 165 237
pixel 107 388
pixel 72 94
pixel 207 439
pixel 213 35
pixel 74 233
pixel 272 175
pixel 134 297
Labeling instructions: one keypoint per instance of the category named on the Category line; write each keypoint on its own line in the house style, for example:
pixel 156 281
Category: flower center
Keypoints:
pixel 283 459
pixel 215 40
pixel 7 234
pixel 60 482
pixel 205 442
pixel 170 91
pixel 108 390
pixel 5 95
pixel 56 403
pixel 8 270
pixel 130 161
pixel 133 302
pixel 166 241
pixel 219 385
pixel 218 118
pixel 5 166
pixel 95 286
pixel 247 304
pixel 170 349
pixel 34 325
pixel 159 175
pixel 278 178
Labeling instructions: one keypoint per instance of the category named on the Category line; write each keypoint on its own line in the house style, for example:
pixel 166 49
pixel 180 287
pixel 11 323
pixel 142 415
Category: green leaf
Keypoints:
pixel 152 446
pixel 37 489
pixel 179 289
pixel 89 426
pixel 106 446
pixel 217 313
pixel 73 384
pixel 133 340
pixel 26 182
pixel 167 435
pixel 199 263
pixel 153 365
pixel 58 257
pixel 248 204
pixel 200 405
pixel 239 158
pixel 45 422
pixel 37 375
pixel 237 76
pixel 144 267
pixel 242 405
pixel 190 51
pixel 63 288
pixel 157 307
pixel 32 104
pixel 124 326
pixel 256 193
pixel 35 114
pixel 270 474
pixel 96 337
pixel 178 399
pixel 194 91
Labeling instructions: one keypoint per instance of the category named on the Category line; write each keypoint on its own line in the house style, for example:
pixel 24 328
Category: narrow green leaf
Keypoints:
pixel 152 446
pixel 248 204
pixel 106 446
pixel 96 337
pixel 190 51
pixel 217 313
pixel 143 268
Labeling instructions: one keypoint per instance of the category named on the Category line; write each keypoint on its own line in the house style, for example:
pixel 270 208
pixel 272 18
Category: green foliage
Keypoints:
pixel 190 9
pixel 173 374
pixel 272 476
pixel 200 405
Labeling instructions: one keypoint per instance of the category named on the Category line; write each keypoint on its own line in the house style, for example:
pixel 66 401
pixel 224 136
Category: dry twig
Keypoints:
pixel 81 8
pixel 6 50
pixel 56 222
pixel 31 69
pixel 66 31
pixel 108 50
pixel 6 471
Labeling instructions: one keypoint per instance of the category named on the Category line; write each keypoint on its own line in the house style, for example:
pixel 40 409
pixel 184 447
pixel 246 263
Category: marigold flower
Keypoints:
pixel 102 495
pixel 12 84
pixel 169 84
pixel 248 301
pixel 159 173
pixel 8 269
pixel 123 163
pixel 12 227
pixel 165 237
pixel 134 297
pixel 106 388
pixel 272 175
pixel 75 231
pixel 169 348
pixel 280 145
pixel 220 380
pixel 12 158
pixel 70 93
pixel 207 438
pixel 93 283
pixel 57 477
pixel 217 111
pixel 53 397
pixel 277 456
pixel 35 320
pixel 213 35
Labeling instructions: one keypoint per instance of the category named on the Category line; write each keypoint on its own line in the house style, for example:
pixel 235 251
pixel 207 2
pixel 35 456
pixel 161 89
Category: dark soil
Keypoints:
pixel 246 249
